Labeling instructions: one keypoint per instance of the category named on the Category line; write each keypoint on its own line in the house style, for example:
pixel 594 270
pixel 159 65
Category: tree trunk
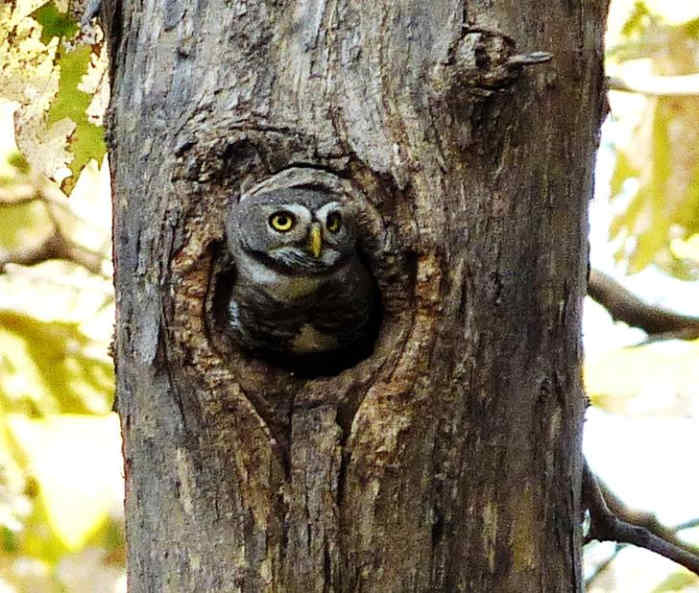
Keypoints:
pixel 449 459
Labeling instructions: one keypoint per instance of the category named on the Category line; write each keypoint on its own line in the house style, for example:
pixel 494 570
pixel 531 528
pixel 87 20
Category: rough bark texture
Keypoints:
pixel 450 459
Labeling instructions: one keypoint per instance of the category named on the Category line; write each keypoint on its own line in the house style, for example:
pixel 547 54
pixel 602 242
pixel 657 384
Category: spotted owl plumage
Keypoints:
pixel 300 287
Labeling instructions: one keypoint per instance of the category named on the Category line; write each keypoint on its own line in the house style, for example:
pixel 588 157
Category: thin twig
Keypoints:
pixel 47 194
pixel 606 526
pixel 687 524
pixel 686 85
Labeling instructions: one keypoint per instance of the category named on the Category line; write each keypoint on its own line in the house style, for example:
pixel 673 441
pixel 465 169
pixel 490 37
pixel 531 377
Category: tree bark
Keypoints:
pixel 450 458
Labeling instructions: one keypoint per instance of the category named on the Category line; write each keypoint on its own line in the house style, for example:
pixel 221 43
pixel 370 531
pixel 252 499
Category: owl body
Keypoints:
pixel 300 286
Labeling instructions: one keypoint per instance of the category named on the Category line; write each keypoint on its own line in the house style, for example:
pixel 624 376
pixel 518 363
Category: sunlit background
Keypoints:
pixel 61 490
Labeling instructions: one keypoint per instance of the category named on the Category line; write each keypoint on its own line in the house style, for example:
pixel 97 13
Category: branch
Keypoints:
pixel 687 524
pixel 686 85
pixel 55 246
pixel 644 519
pixel 602 566
pixel 605 525
pixel 622 305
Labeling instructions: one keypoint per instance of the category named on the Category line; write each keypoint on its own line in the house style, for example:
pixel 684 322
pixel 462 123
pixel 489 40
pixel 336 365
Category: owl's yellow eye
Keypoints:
pixel 334 222
pixel 282 221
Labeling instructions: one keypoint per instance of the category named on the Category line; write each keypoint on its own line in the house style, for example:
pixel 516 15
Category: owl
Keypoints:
pixel 300 287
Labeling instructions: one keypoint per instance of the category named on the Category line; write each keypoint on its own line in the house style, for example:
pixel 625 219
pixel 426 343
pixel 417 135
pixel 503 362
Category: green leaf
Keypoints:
pixel 87 141
pixel 54 23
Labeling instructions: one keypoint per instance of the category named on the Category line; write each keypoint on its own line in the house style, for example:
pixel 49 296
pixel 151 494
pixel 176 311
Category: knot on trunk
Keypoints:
pixel 481 63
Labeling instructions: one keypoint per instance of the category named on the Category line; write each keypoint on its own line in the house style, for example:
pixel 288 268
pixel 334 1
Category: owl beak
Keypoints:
pixel 315 240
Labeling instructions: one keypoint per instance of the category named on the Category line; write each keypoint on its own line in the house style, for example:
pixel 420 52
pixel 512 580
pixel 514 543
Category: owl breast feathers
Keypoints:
pixel 300 286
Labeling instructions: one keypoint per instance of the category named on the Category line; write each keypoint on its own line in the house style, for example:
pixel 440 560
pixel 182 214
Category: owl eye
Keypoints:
pixel 334 222
pixel 282 221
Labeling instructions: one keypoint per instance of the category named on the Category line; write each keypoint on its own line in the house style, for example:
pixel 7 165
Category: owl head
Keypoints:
pixel 294 230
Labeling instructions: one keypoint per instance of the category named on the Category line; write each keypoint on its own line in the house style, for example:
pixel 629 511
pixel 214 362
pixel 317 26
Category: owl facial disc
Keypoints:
pixel 295 231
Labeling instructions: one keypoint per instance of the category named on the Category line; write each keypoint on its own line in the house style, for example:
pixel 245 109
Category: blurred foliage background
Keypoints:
pixel 61 517
pixel 61 491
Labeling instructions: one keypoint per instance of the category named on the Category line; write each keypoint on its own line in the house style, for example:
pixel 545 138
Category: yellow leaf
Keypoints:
pixel 651 379
pixel 688 249
pixel 47 367
pixel 76 461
